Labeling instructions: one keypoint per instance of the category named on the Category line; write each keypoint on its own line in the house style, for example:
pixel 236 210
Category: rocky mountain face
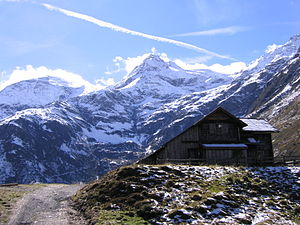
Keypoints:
pixel 287 142
pixel 51 132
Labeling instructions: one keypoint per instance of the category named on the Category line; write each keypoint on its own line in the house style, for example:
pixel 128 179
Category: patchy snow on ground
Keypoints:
pixel 224 195
pixel 185 194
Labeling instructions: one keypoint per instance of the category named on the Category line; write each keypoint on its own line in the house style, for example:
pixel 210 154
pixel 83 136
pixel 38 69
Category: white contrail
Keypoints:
pixel 225 30
pixel 117 28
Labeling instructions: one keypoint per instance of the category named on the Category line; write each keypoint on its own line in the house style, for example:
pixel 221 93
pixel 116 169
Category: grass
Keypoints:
pixel 296 219
pixel 294 214
pixel 217 186
pixel 109 217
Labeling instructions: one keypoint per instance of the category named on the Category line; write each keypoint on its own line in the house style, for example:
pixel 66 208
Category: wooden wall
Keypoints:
pixel 217 128
pixel 178 148
pixel 219 132
pixel 263 150
pixel 226 156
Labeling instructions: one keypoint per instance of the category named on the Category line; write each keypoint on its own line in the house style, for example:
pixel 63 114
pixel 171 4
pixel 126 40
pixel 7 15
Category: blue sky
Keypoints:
pixel 73 36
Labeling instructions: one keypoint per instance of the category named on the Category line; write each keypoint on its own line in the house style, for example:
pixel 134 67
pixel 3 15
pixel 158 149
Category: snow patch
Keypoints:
pixel 17 141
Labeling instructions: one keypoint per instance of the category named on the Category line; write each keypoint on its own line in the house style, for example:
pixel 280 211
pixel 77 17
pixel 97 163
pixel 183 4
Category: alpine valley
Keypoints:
pixel 51 131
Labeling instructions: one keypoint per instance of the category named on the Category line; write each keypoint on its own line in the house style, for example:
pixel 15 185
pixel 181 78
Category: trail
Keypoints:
pixel 47 206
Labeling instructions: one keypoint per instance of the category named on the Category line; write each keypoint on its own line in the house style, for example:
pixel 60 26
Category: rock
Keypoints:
pixel 210 201
pixel 230 203
pixel 244 221
pixel 201 209
pixel 264 191
pixel 220 197
pixel 179 214
pixel 196 197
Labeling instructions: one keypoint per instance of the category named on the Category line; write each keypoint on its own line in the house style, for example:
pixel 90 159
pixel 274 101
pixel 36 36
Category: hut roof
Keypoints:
pixel 258 125
pixel 220 109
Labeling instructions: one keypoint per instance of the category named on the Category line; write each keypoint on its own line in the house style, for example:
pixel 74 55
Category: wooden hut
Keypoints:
pixel 219 138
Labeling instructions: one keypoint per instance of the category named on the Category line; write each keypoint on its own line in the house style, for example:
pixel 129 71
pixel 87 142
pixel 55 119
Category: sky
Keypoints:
pixel 101 41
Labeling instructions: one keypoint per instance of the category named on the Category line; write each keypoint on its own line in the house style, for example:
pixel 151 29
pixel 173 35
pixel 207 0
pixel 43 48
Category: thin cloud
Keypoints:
pixel 230 69
pixel 106 82
pixel 225 30
pixel 117 28
pixel 30 72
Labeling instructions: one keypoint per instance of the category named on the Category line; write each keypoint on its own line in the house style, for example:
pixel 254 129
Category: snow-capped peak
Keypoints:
pixel 295 38
pixel 159 62
pixel 163 79
pixel 154 61
pixel 271 48
pixel 39 91
pixel 275 52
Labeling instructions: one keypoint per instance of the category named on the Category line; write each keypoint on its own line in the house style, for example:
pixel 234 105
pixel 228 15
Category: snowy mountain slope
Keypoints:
pixel 34 144
pixel 155 83
pixel 245 94
pixel 35 93
pixel 285 87
pixel 274 54
pixel 252 77
pixel 154 73
pixel 68 137
pixel 121 111
pixel 52 145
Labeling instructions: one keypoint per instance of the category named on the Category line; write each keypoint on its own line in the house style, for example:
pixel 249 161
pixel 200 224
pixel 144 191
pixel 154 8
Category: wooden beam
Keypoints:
pixel 187 141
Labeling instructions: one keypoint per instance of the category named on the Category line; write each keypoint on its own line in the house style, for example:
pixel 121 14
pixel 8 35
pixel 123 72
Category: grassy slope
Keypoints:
pixel 287 141
pixel 183 194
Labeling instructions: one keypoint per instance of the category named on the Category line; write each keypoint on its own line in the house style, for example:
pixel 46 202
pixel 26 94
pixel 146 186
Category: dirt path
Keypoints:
pixel 47 206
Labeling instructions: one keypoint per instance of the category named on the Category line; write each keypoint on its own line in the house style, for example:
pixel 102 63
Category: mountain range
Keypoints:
pixel 51 131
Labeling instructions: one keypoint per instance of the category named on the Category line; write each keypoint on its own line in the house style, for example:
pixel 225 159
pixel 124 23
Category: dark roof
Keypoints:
pixel 258 125
pixel 220 109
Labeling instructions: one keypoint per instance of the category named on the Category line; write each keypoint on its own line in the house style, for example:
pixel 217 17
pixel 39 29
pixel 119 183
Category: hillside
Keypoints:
pixel 166 194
